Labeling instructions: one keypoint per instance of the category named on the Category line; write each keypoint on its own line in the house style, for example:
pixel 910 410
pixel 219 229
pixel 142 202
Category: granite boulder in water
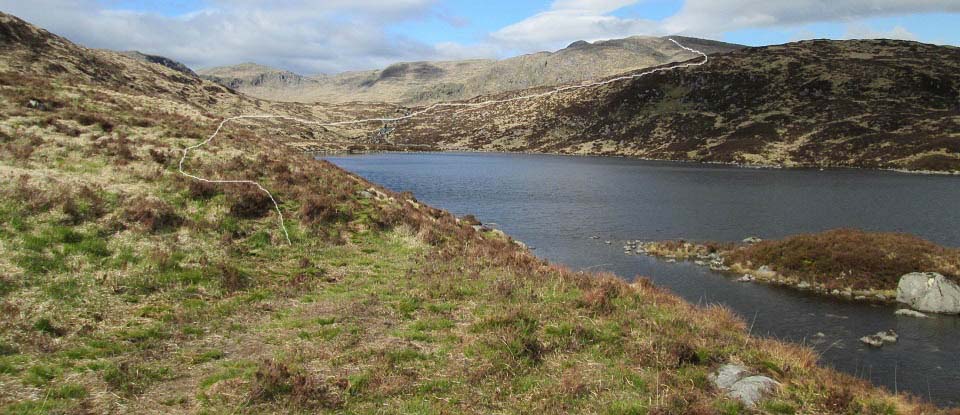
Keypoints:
pixel 929 292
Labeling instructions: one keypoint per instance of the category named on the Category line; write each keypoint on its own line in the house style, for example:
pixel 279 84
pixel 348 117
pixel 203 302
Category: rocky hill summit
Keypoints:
pixel 856 103
pixel 161 60
pixel 414 83
pixel 256 80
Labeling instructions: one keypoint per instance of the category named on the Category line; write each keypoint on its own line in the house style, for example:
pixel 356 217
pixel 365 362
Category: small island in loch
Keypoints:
pixel 847 263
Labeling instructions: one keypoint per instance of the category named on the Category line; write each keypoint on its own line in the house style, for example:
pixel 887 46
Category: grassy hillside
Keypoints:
pixel 126 288
pixel 857 103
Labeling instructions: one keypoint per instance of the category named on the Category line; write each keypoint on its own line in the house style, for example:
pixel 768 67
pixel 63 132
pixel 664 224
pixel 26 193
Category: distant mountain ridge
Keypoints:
pixel 414 83
pixel 854 103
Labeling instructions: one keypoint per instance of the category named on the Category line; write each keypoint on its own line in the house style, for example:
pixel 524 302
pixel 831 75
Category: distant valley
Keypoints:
pixel 415 83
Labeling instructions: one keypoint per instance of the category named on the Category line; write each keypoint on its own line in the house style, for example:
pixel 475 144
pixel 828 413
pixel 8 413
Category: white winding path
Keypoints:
pixel 470 105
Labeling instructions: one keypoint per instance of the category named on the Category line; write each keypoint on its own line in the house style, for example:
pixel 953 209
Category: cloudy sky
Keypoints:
pixel 327 36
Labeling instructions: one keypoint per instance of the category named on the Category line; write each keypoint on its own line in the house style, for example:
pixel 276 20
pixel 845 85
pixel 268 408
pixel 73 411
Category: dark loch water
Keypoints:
pixel 556 203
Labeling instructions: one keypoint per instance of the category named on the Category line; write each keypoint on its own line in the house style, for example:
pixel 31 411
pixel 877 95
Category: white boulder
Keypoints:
pixel 929 292
pixel 735 381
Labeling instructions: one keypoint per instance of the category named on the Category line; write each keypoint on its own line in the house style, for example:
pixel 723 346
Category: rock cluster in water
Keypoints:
pixel 881 338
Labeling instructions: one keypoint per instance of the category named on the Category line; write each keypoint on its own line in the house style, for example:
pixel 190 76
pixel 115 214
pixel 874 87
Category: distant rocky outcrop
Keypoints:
pixel 415 83
pixel 255 79
pixel 160 60
pixel 929 292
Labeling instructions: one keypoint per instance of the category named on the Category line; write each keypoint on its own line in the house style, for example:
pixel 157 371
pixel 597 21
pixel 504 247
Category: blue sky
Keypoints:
pixel 312 36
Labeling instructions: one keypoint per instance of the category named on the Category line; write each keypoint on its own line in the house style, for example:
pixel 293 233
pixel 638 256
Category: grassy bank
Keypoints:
pixel 845 260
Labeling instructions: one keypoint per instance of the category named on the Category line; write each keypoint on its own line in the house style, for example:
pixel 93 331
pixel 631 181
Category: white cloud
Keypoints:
pixel 862 31
pixel 307 36
pixel 594 6
pixel 570 20
pixel 710 17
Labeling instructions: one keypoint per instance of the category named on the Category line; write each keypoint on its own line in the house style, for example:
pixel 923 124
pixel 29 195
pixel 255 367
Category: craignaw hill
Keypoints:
pixel 854 103
pixel 416 83
pixel 128 288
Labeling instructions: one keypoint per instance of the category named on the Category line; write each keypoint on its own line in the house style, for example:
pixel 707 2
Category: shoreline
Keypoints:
pixel 702 163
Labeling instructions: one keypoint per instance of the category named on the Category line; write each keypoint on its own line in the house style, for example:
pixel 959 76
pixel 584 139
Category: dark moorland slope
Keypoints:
pixel 855 103
pixel 126 288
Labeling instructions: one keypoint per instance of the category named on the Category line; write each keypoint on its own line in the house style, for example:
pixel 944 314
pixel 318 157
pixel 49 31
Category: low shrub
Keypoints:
pixel 89 119
pixel 159 157
pixel 44 325
pixel 248 202
pixel 317 209
pixel 513 339
pixel 232 279
pixel 601 295
pixel 470 220
pixel 65 129
pixel 275 381
pixel 201 190
pixel 86 204
pixel 132 379
pixel 152 214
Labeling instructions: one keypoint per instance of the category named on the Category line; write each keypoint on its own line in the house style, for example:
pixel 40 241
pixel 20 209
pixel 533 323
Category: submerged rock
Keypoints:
pixel 910 313
pixel 734 380
pixel 881 338
pixel 929 292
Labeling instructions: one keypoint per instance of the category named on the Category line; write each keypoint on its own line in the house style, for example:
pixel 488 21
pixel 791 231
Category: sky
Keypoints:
pixel 330 36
